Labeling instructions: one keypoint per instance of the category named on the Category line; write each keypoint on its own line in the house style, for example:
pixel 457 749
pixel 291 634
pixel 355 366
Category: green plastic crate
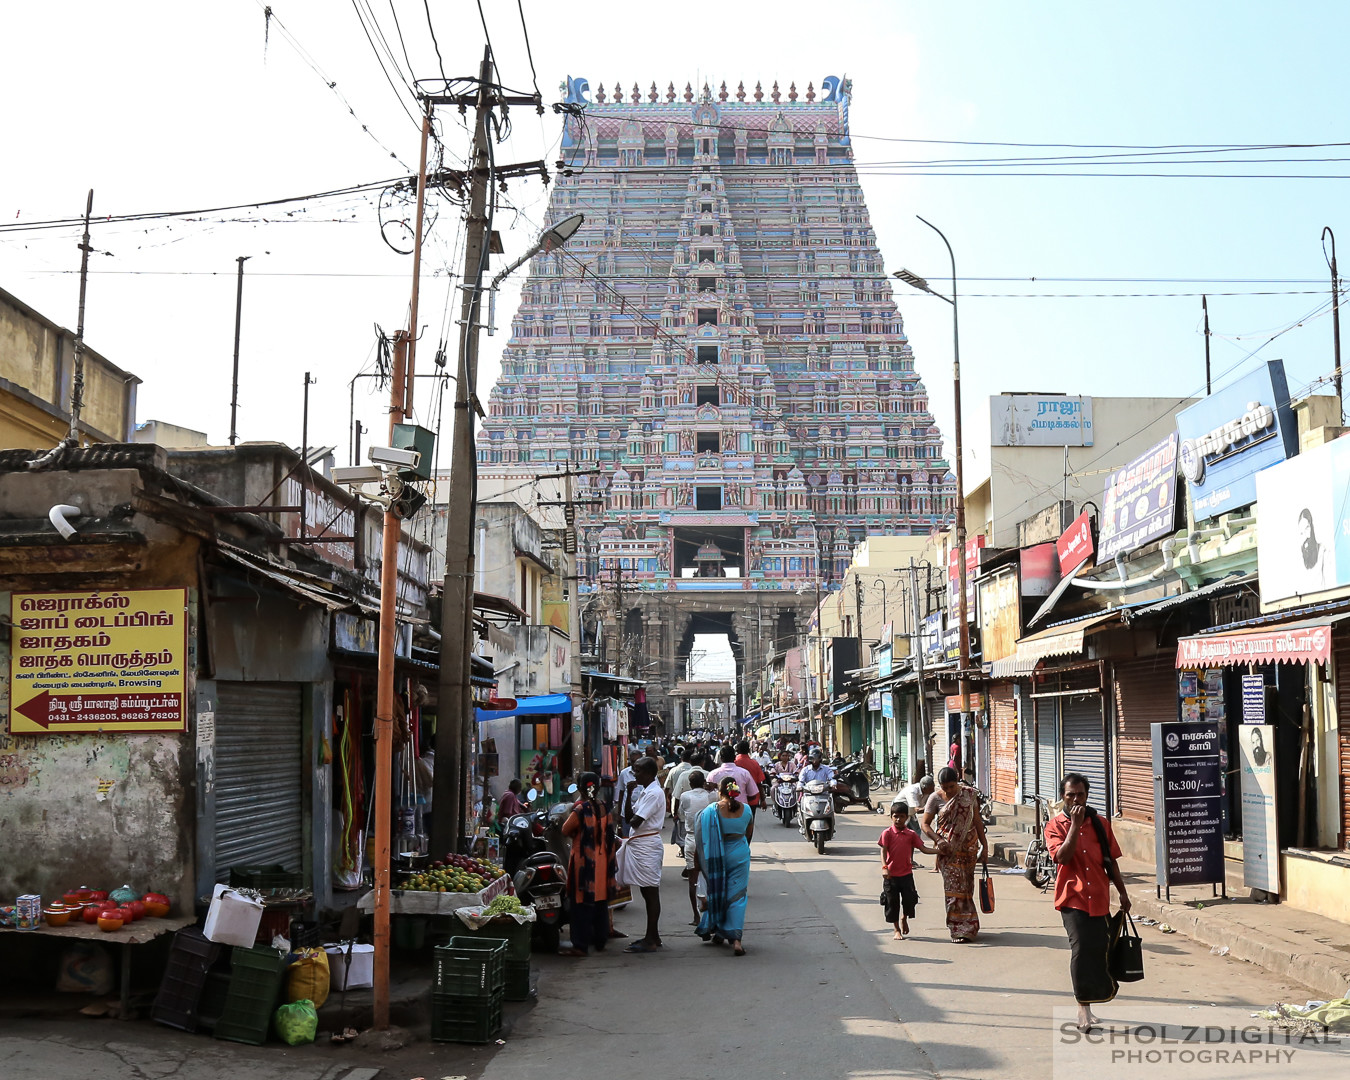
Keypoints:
pixel 516 935
pixel 256 976
pixel 519 980
pixel 470 967
pixel 465 1020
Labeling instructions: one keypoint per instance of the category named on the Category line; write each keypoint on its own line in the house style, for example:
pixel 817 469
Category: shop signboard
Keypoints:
pixel 1040 420
pixel 1300 552
pixel 1039 567
pixel 874 701
pixel 1000 614
pixel 1278 645
pixel 1074 547
pixel 356 634
pixel 1230 436
pixel 973 546
pixel 100 661
pixel 954 702
pixel 888 705
pixel 1139 504
pixel 886 652
pixel 932 637
pixel 1188 792
pixel 1260 832
pixel 1253 699
pixel 951 644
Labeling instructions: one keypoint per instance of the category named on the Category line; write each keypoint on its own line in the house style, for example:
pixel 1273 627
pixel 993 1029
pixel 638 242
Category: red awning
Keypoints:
pixel 1293 643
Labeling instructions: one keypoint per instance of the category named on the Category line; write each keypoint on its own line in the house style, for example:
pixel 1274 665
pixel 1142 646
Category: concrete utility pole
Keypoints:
pixel 1335 314
pixel 1209 389
pixel 234 381
pixel 413 330
pixel 857 608
pixel 454 709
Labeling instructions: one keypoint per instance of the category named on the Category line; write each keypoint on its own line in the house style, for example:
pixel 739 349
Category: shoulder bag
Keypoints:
pixel 1126 957
pixel 987 892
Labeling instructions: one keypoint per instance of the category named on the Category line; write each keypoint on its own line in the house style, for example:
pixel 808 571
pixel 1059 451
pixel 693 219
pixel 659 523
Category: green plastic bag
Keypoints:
pixel 297 1022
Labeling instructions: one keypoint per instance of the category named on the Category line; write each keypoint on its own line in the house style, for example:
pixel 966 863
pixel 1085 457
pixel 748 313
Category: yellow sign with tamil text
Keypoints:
pixel 100 661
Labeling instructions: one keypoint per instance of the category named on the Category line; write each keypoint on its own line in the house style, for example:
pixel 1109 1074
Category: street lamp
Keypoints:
pixel 963 631
pixel 882 583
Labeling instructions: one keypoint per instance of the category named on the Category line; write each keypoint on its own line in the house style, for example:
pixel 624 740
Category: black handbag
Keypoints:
pixel 1127 949
pixel 986 892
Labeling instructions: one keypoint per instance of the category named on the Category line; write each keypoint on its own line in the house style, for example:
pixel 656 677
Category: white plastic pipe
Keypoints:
pixel 58 514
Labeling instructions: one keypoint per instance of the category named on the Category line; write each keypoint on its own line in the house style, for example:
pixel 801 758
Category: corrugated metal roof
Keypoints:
pixel 1232 581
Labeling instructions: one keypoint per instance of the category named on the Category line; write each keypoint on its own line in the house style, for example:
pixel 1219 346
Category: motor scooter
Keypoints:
pixel 786 796
pixel 851 786
pixel 816 811
pixel 538 872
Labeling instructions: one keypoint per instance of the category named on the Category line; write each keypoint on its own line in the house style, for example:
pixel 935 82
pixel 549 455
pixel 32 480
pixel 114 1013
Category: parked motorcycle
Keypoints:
pixel 816 811
pixel 786 796
pixel 1037 864
pixel 530 854
pixel 851 786
pixel 986 809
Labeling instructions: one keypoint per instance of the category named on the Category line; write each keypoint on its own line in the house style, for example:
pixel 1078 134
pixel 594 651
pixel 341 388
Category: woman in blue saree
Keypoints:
pixel 722 854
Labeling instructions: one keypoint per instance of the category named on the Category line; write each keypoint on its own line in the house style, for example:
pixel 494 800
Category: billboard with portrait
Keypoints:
pixel 1299 550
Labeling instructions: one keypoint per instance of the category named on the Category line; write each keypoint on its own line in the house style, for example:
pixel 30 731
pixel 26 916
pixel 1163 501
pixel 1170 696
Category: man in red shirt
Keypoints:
pixel 898 845
pixel 753 767
pixel 1083 845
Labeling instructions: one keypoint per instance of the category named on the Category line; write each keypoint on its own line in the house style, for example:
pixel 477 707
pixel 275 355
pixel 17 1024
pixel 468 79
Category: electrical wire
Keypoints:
pixel 440 60
pixel 384 70
pixel 525 30
pixel 158 215
pixel 331 83
pixel 401 43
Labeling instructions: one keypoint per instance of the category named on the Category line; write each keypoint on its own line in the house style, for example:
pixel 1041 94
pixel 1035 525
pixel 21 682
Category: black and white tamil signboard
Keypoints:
pixel 1188 796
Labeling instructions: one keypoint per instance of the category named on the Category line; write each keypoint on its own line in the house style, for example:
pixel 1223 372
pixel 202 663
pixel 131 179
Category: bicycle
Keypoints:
pixel 1039 867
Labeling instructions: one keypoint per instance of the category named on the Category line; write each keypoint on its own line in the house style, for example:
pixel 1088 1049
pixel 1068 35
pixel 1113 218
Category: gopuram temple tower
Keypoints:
pixel 719 343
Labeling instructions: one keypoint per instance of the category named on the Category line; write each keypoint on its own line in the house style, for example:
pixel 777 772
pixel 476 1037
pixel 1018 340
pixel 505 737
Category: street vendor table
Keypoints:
pixel 410 902
pixel 138 933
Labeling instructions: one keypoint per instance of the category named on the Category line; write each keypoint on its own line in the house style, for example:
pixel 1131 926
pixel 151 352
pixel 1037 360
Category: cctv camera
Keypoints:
pixel 389 455
pixel 357 475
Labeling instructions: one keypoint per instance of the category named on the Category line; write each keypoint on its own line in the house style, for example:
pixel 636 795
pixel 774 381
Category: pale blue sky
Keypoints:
pixel 180 107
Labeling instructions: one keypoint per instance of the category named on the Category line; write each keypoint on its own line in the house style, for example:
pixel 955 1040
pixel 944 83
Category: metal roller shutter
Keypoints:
pixel 1146 694
pixel 902 764
pixel 1083 748
pixel 1047 749
pixel 1026 755
pixel 1342 675
pixel 1003 742
pixel 258 771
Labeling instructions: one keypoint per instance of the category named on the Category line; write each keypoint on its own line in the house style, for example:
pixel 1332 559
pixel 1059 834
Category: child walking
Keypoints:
pixel 898 845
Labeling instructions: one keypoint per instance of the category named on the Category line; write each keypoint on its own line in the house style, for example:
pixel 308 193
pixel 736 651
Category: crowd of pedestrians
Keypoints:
pixel 711 790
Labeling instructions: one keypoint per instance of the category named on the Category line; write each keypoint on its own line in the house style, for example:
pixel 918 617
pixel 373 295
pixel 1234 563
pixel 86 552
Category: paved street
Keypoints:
pixel 824 991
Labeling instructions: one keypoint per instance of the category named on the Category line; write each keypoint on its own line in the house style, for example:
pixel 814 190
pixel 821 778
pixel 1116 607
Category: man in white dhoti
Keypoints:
pixel 642 853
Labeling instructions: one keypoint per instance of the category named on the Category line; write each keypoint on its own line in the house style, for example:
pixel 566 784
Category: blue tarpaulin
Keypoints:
pixel 543 705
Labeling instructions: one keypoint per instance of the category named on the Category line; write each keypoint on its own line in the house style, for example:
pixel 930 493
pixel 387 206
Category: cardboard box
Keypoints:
pixel 233 919
pixel 362 970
